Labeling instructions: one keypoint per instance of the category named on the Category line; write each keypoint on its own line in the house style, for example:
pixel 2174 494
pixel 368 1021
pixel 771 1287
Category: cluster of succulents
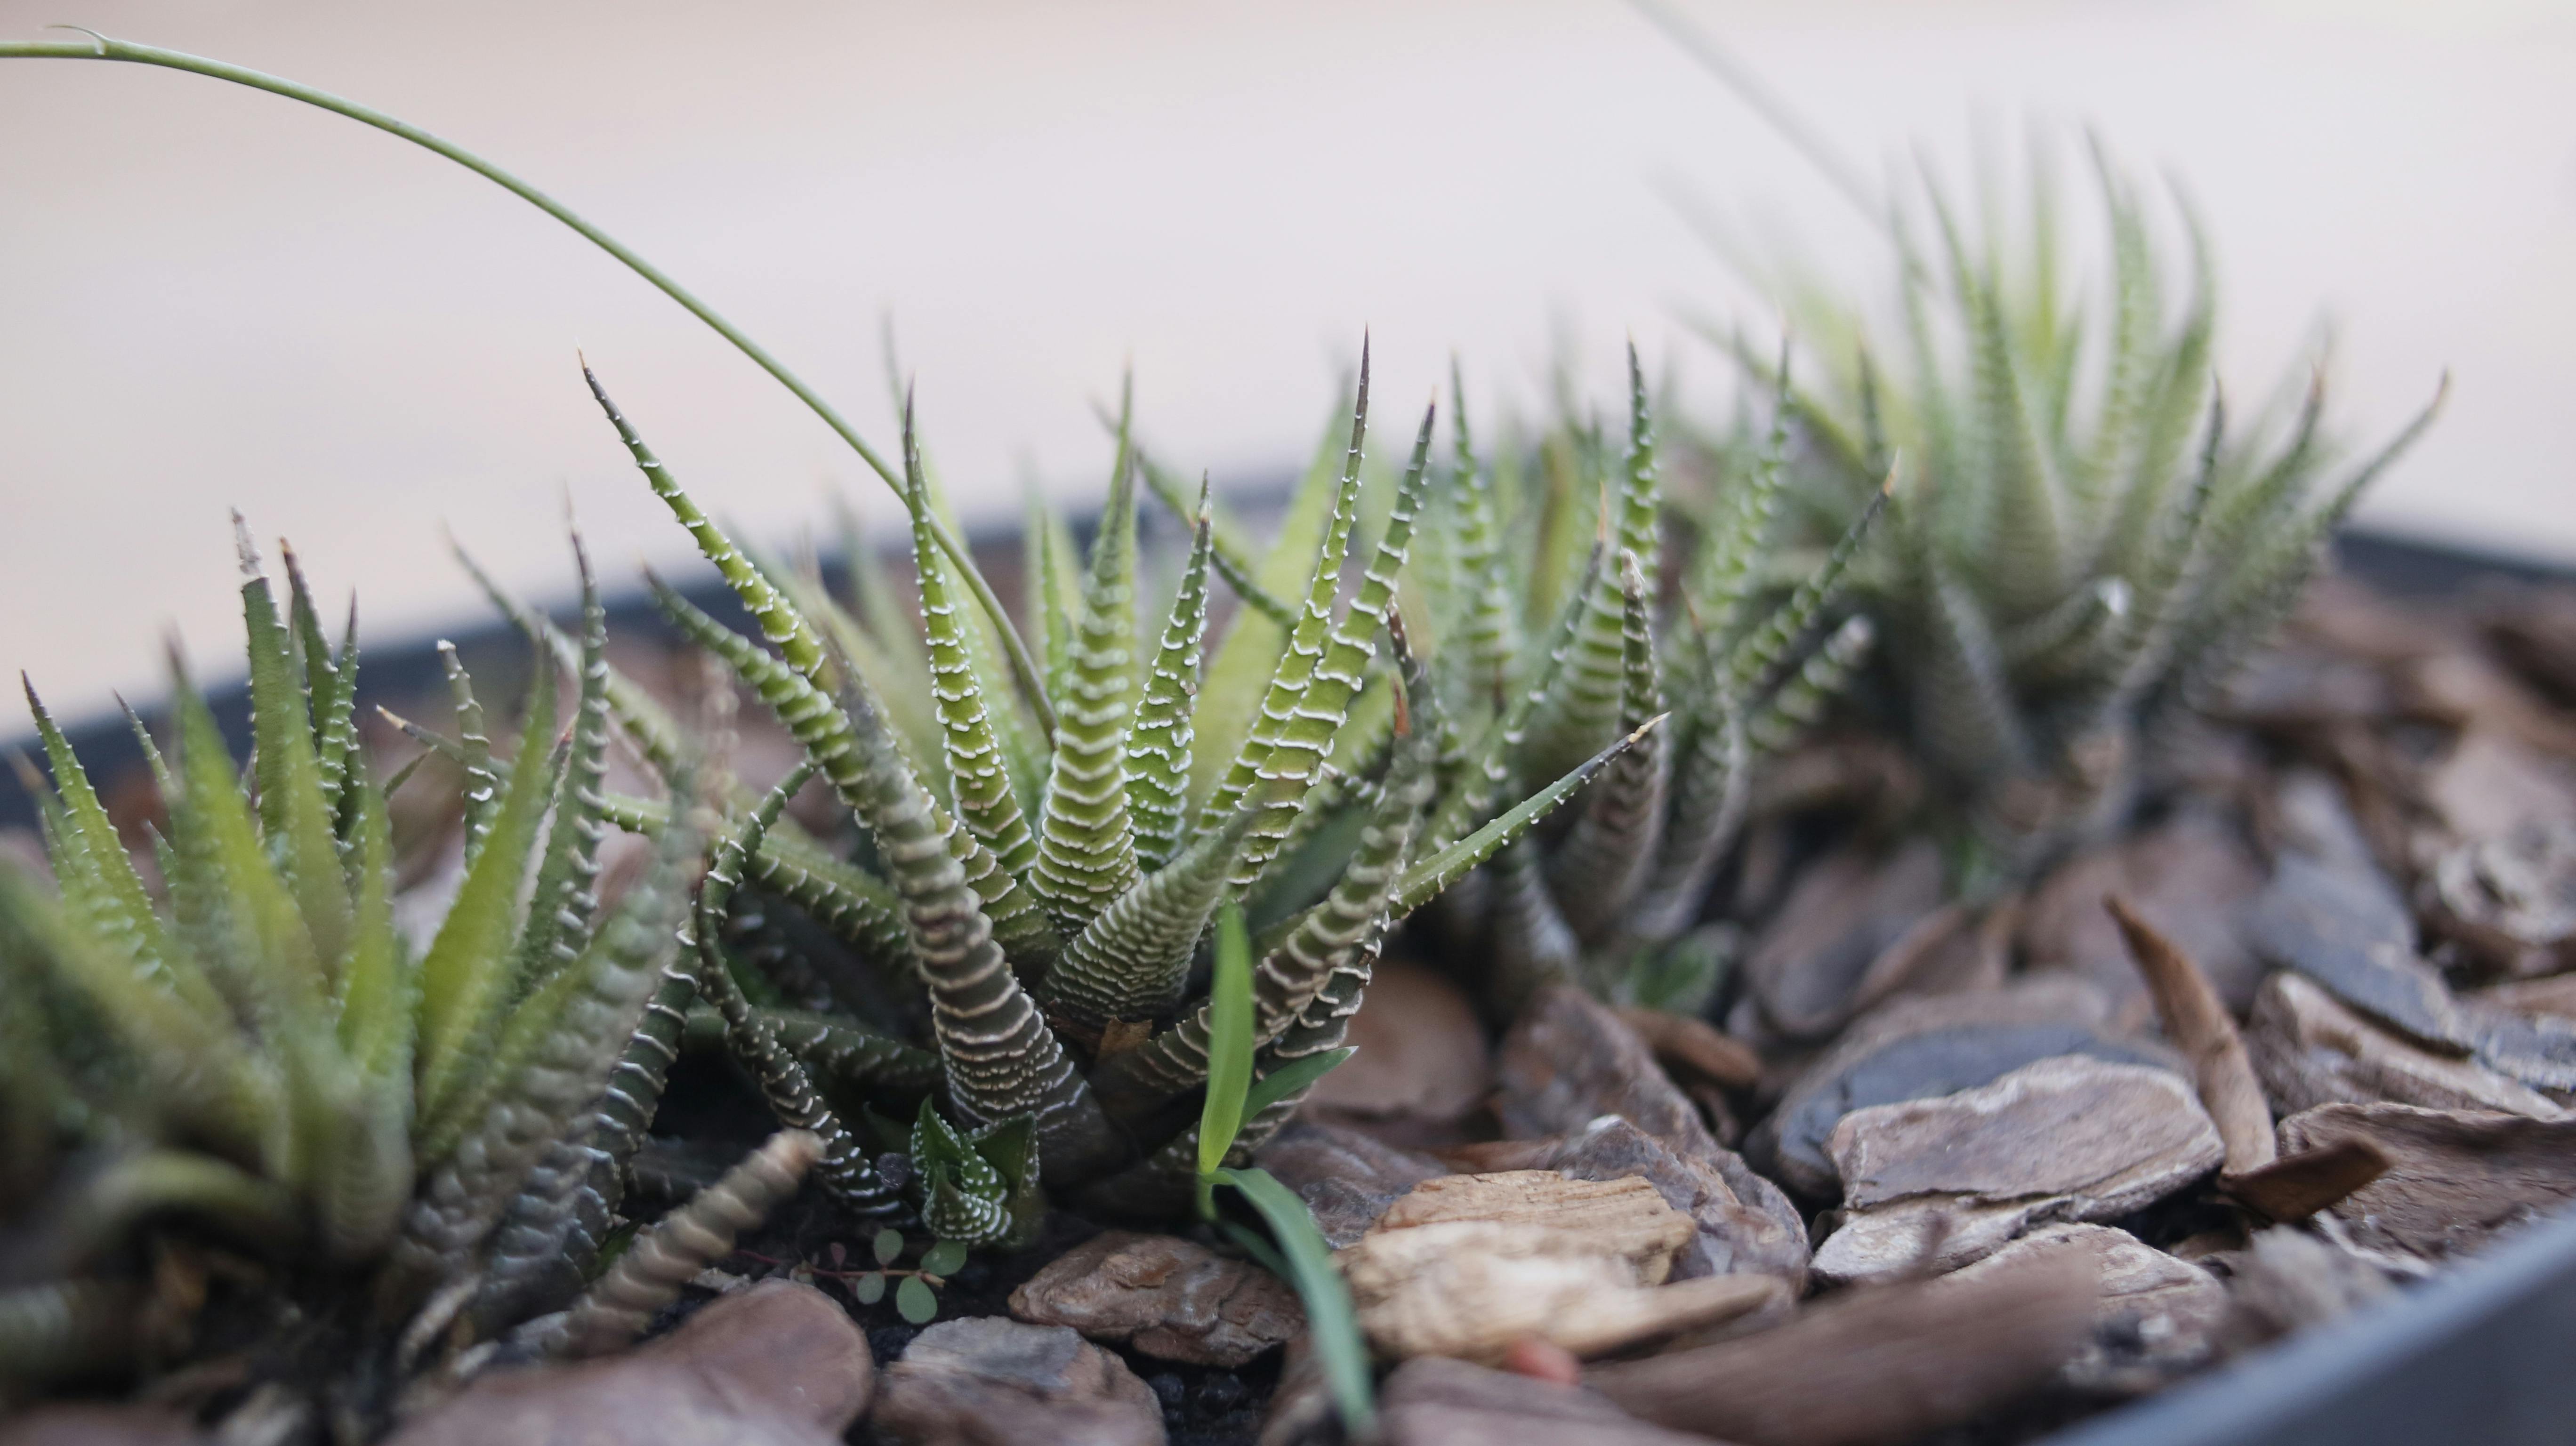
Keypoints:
pixel 251 1044
pixel 1009 938
pixel 421 1145
pixel 1010 931
pixel 2081 540
pixel 1052 905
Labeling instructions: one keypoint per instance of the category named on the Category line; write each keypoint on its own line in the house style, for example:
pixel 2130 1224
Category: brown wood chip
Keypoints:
pixel 1682 1044
pixel 1626 1218
pixel 1873 1366
pixel 2456 1178
pixel 2198 1023
pixel 1466 1265
pixel 2298 1186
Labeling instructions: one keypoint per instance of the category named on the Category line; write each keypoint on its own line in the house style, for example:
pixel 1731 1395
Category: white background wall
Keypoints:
pixel 213 298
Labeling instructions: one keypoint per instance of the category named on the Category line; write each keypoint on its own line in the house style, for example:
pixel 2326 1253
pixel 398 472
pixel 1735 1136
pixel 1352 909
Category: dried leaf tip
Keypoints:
pixel 243 547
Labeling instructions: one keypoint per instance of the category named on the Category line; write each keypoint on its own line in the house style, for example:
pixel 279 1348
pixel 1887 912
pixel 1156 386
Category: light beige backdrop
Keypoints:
pixel 211 298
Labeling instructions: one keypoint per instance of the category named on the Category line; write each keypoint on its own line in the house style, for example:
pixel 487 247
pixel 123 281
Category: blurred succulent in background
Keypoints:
pixel 1558 633
pixel 1053 902
pixel 2082 541
pixel 423 1146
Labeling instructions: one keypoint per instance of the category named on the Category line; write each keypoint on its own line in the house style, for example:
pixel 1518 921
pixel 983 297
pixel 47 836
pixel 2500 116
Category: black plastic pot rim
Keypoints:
pixel 2480 1353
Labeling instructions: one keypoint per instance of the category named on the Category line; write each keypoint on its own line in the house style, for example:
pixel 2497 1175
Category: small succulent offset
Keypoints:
pixel 424 1146
pixel 2083 541
pixel 1559 633
pixel 1053 898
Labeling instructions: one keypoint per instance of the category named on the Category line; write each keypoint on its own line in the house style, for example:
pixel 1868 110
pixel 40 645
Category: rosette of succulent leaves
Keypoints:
pixel 1053 903
pixel 242 1110
pixel 1565 618
pixel 2085 539
pixel 1033 908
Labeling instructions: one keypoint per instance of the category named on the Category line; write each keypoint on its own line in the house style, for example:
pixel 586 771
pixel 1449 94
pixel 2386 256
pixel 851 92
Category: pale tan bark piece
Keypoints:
pixel 1626 1218
pixel 1466 1265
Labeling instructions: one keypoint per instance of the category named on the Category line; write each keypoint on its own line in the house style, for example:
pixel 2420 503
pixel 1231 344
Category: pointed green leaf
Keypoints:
pixel 1424 880
pixel 1226 552
pixel 1086 853
pixel 1133 960
pixel 1230 1044
pixel 1158 743
pixel 119 912
pixel 1333 1324
pixel 563 907
pixel 467 975
pixel 978 767
pixel 1237 678
pixel 1293 1078
pixel 1596 872
pixel 295 815
pixel 829 735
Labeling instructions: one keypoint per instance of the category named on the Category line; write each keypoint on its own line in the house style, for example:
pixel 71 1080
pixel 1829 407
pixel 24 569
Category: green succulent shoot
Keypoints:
pixel 1045 900
pixel 255 1044
pixel 2083 538
pixel 1566 622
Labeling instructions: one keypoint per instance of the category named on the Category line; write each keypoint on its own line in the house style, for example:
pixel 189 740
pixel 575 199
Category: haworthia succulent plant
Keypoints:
pixel 1666 684
pixel 1057 976
pixel 2069 567
pixel 274 1062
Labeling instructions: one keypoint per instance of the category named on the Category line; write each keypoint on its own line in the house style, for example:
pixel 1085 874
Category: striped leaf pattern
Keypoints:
pixel 1158 742
pixel 1086 853
pixel 978 770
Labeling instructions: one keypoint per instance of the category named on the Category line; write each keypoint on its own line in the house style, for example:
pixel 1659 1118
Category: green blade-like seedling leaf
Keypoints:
pixel 1291 1078
pixel 945 1258
pixel 1332 1325
pixel 1229 1047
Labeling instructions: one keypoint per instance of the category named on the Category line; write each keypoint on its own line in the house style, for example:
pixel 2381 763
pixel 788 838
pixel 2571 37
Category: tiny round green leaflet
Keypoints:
pixel 914 1301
